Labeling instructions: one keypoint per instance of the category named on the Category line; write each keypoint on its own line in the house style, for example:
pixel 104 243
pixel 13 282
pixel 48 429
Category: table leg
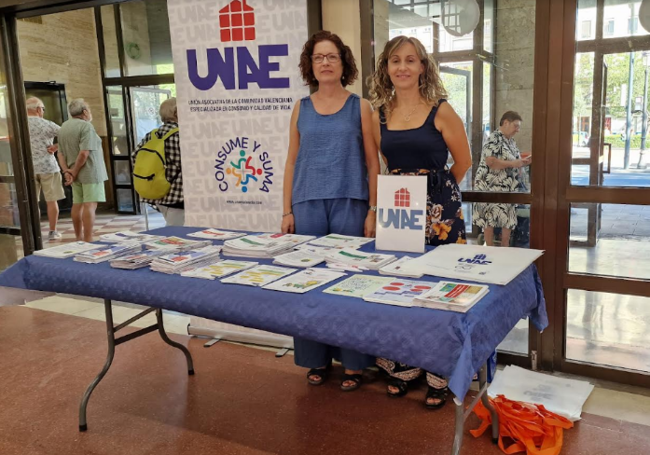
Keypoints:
pixel 482 377
pixel 163 335
pixel 460 427
pixel 110 332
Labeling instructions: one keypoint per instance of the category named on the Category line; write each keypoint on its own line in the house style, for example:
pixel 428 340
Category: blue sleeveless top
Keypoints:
pixel 415 148
pixel 331 161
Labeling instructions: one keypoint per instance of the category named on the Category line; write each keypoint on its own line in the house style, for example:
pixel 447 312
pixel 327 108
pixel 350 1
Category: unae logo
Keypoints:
pixel 401 217
pixel 237 23
pixel 478 259
pixel 242 164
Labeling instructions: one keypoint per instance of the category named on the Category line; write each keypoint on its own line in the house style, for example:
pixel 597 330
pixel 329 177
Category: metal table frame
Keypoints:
pixel 461 413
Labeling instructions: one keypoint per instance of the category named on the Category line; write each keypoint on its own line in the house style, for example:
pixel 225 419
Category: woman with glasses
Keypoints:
pixel 416 130
pixel 330 180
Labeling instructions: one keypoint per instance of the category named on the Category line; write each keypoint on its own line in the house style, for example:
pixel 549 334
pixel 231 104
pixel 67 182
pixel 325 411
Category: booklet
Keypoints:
pixel 358 285
pixel 176 243
pixel 259 275
pixel 371 261
pixel 256 246
pixel 66 250
pixel 399 292
pixel 397 268
pixel 304 281
pixel 295 239
pixel 341 241
pixel 219 269
pixel 316 250
pixel 485 264
pixel 216 234
pixel 298 258
pixel 106 253
pixel 448 295
pixel 124 236
pixel 185 260
pixel 137 260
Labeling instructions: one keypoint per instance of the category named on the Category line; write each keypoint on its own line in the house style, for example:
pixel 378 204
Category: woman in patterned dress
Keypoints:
pixel 416 130
pixel 500 170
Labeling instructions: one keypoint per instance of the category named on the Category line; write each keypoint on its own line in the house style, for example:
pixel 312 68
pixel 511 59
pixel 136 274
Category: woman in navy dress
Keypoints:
pixel 416 130
pixel 330 178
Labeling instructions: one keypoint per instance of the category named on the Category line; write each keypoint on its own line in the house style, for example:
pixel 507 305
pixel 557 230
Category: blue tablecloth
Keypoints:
pixel 451 344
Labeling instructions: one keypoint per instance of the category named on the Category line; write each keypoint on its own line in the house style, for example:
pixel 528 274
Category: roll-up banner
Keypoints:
pixel 237 79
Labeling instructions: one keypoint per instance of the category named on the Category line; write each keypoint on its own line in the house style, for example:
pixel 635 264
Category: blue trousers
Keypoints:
pixel 322 217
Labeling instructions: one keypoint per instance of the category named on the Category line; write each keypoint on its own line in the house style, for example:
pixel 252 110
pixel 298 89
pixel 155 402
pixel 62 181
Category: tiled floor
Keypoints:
pixel 241 401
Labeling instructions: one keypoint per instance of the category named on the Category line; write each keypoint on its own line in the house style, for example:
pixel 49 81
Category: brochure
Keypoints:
pixel 137 260
pixel 66 250
pixel 125 236
pixel 397 268
pixel 106 253
pixel 447 295
pixel 341 241
pixel 296 239
pixel 185 260
pixel 216 234
pixel 219 269
pixel 304 281
pixel 259 275
pixel 358 285
pixel 298 258
pixel 176 243
pixel 256 246
pixel 371 261
pixel 399 292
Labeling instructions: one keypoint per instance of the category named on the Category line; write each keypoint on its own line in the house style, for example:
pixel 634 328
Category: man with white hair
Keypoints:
pixel 81 158
pixel 172 205
pixel 47 175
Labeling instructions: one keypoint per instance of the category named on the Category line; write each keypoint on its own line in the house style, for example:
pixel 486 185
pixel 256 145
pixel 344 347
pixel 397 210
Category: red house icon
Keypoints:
pixel 237 22
pixel 402 198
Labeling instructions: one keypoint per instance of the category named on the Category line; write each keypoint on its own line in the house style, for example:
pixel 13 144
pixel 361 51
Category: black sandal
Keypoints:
pixel 402 387
pixel 322 373
pixel 436 394
pixel 356 378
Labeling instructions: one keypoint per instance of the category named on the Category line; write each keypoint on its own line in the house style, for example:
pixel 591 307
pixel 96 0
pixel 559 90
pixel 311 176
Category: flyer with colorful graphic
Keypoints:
pixel 399 292
pixel 304 281
pixel 358 285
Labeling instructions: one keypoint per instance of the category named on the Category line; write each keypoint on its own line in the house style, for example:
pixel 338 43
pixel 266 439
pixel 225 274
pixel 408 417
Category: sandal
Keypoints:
pixel 356 378
pixel 321 373
pixel 402 387
pixel 436 394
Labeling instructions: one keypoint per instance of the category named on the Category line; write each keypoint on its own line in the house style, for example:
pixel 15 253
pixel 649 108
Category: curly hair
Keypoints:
pixel 382 91
pixel 350 71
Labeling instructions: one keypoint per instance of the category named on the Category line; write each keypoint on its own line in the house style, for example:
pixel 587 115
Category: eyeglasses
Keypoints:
pixel 331 58
pixel 42 107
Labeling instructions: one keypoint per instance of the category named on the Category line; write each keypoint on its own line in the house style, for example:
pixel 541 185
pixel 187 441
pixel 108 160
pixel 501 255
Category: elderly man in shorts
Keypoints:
pixel 47 174
pixel 82 160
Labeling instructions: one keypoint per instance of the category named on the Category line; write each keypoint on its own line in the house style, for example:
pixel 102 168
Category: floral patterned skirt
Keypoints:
pixel 445 222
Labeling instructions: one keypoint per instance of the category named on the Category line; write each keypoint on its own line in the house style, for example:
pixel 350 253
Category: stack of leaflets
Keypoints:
pixel 317 250
pixel 216 234
pixel 106 253
pixel 304 281
pixel 296 239
pixel 298 258
pixel 176 244
pixel 183 261
pixel 126 236
pixel 358 285
pixel 67 250
pixel 447 295
pixel 371 261
pixel 341 241
pixel 255 246
pixel 259 275
pixel 397 269
pixel 137 260
pixel 219 269
pixel 399 292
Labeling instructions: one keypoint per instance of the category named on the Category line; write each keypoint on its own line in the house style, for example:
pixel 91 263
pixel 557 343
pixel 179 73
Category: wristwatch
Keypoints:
pixel 373 208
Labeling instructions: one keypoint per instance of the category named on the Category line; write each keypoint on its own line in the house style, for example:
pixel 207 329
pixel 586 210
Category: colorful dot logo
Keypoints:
pixel 244 171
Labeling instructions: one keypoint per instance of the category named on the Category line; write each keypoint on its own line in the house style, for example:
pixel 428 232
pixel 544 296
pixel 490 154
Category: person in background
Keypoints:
pixel 502 170
pixel 172 205
pixel 416 130
pixel 81 158
pixel 330 179
pixel 47 175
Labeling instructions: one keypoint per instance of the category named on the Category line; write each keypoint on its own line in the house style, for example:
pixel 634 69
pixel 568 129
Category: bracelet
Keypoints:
pixel 373 208
pixel 287 214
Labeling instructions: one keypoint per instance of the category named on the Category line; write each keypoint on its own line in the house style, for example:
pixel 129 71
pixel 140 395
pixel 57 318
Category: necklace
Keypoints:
pixel 407 117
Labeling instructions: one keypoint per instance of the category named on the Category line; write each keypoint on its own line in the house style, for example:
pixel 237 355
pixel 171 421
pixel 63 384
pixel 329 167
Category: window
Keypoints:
pixel 608 30
pixel 632 25
pixel 585 29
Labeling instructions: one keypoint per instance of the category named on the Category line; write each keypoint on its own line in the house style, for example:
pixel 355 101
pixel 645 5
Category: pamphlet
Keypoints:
pixel 219 269
pixel 358 285
pixel 216 234
pixel 397 268
pixel 399 292
pixel 371 261
pixel 259 275
pixel 341 241
pixel 66 250
pixel 304 281
pixel 106 253
pixel 447 295
pixel 298 258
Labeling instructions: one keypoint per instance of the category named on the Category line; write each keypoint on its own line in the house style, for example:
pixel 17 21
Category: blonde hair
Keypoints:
pixel 382 91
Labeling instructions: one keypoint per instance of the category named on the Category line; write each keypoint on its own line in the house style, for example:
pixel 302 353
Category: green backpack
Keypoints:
pixel 149 169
